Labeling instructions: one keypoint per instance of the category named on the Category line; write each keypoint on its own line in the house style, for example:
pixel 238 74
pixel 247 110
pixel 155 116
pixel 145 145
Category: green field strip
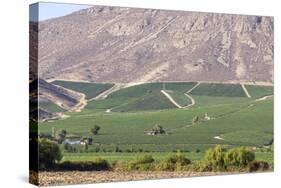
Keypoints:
pixel 180 98
pixel 259 91
pixel 50 106
pixel 91 90
pixel 151 101
pixel 181 87
pixel 219 90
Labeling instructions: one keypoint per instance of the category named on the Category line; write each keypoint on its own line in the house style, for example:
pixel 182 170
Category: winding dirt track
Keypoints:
pixel 186 94
pixel 264 98
pixel 245 90
pixel 104 94
pixel 171 99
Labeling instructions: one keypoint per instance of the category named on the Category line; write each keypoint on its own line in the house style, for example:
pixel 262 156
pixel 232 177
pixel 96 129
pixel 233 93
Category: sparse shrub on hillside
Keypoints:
pixel 49 153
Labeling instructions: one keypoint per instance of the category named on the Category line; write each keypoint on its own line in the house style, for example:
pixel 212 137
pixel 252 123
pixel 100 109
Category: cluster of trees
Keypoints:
pixel 95 130
pixel 222 159
pixel 156 130
pixel 57 136
pixel 61 135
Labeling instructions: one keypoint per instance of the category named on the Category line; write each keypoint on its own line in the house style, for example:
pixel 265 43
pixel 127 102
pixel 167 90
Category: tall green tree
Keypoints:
pixel 95 129
pixel 49 153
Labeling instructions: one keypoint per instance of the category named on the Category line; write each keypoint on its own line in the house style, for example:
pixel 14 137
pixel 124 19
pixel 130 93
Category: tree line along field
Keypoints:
pixel 234 118
pixel 158 156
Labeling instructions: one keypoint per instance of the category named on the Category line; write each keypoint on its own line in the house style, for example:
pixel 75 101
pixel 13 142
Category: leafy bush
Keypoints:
pixel 174 162
pixel 178 158
pixel 221 159
pixel 258 166
pixel 142 163
pixel 98 164
pixel 49 153
pixel 95 130
pixel 239 157
pixel 214 159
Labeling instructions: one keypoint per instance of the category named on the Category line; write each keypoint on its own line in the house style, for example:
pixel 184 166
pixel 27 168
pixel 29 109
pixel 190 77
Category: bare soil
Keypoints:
pixel 78 177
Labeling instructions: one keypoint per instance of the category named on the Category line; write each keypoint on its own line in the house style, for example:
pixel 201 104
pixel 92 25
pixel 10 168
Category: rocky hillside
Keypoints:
pixel 128 45
pixel 65 98
pixel 41 115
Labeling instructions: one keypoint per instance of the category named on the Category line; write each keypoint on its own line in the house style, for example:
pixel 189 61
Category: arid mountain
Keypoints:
pixel 127 45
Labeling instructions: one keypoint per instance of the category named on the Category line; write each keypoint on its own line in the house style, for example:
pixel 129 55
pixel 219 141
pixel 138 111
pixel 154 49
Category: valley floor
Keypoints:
pixel 227 114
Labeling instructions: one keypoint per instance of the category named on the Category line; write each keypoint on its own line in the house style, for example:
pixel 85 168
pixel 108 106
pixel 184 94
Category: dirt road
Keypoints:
pixel 104 94
pixel 245 90
pixel 186 94
pixel 171 99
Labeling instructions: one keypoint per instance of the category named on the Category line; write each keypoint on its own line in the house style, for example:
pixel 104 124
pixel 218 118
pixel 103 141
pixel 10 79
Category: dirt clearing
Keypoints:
pixel 77 177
